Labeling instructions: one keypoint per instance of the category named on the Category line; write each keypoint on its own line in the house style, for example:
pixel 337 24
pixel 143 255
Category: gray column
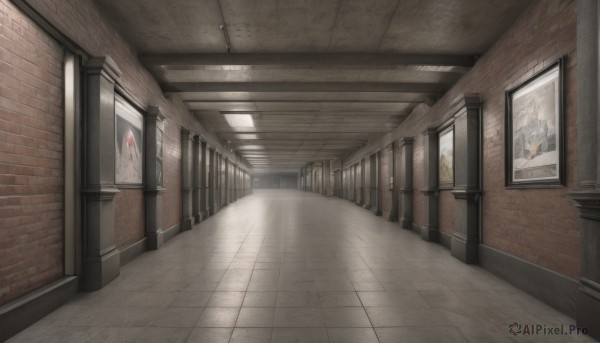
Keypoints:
pixel 308 178
pixel 375 201
pixel 186 180
pixel 587 196
pixel 430 229
pixel 363 178
pixel 227 183
pixel 467 189
pixel 367 185
pixel 390 150
pixel 154 177
pixel 327 178
pixel 358 184
pixel 236 178
pixel 237 183
pixel 196 190
pixel 211 182
pixel 406 182
pixel 203 181
pixel 218 181
pixel 101 258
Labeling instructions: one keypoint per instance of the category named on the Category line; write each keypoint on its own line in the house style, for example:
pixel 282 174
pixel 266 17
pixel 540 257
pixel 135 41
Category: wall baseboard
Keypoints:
pixel 28 309
pixel 133 250
pixel 554 289
pixel 171 232
pixel 445 239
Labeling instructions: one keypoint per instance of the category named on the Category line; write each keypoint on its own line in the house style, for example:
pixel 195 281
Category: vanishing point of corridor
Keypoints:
pixel 290 266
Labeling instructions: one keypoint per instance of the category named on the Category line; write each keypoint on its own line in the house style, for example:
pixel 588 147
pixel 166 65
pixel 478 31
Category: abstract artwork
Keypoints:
pixel 128 144
pixel 534 130
pixel 446 158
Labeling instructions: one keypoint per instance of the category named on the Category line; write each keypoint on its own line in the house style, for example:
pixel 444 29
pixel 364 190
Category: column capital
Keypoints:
pixel 406 141
pixel 104 66
pixel 588 201
pixel 430 131
pixel 101 192
pixel 468 101
pixel 155 112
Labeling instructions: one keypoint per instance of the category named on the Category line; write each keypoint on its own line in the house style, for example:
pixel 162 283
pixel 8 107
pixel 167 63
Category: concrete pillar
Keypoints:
pixel 196 190
pixel 363 177
pixel 406 182
pixel 203 181
pixel 235 183
pixel 430 230
pixel 154 177
pixel 375 201
pixel 326 178
pixel 390 150
pixel 367 185
pixel 467 189
pixel 308 178
pixel 227 183
pixel 211 182
pixel 101 258
pixel 186 180
pixel 218 182
pixel 587 196
pixel 358 184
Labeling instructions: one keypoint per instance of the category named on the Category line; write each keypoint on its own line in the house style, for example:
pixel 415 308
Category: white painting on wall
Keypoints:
pixel 129 144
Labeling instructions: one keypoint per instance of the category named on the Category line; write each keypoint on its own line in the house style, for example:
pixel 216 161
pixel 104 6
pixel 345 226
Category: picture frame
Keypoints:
pixel 129 144
pixel 534 130
pixel 446 158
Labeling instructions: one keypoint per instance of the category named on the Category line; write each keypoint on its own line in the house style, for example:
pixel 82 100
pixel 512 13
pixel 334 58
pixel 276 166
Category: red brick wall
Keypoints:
pixel 31 161
pixel 418 201
pixel 446 212
pixel 86 24
pixel 129 217
pixel 172 176
pixel 538 225
pixel 384 184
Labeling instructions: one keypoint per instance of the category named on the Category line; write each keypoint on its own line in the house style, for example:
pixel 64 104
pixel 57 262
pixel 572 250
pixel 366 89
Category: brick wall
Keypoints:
pixel 384 183
pixel 538 225
pixel 418 201
pixel 172 176
pixel 446 212
pixel 129 217
pixel 85 23
pixel 31 161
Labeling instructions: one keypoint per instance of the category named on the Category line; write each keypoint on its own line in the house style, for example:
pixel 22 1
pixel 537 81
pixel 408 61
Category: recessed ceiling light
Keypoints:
pixel 250 147
pixel 239 120
pixel 246 136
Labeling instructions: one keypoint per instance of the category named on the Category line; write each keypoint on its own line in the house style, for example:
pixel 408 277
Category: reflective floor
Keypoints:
pixel 288 266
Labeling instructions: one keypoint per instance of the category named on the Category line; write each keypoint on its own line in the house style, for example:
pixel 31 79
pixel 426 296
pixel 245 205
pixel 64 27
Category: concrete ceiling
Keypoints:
pixel 320 78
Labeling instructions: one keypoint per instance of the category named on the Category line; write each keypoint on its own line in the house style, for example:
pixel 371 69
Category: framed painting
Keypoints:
pixel 534 130
pixel 446 159
pixel 129 130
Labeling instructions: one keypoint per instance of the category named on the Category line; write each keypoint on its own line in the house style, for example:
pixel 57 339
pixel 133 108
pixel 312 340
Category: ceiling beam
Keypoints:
pixel 235 102
pixel 285 60
pixel 174 87
pixel 353 112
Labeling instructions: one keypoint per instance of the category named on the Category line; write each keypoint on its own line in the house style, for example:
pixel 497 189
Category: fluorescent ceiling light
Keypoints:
pixel 246 136
pixel 250 147
pixel 239 120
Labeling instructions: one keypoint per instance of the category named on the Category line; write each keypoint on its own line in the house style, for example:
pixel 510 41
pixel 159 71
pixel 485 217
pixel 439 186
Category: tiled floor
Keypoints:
pixel 287 266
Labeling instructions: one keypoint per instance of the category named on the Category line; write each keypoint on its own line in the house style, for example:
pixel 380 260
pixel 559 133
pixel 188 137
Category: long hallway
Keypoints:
pixel 290 266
